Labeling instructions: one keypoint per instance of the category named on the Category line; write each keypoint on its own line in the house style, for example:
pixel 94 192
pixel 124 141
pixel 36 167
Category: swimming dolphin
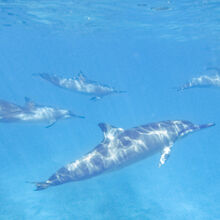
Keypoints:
pixel 203 81
pixel 121 147
pixel 80 84
pixel 32 113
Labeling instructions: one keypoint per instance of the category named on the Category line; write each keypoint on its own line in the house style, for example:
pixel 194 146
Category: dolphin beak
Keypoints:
pixel 206 125
pixel 76 116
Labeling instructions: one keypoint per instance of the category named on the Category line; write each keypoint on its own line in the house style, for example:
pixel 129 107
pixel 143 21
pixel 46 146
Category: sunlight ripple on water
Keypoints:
pixel 180 20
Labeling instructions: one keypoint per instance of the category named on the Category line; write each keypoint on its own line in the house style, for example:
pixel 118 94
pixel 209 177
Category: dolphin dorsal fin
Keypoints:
pixel 81 76
pixel 106 127
pixel 109 129
pixel 28 102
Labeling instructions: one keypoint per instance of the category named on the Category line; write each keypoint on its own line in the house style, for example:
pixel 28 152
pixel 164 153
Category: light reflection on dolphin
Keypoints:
pixel 32 113
pixel 121 147
pixel 81 84
pixel 204 81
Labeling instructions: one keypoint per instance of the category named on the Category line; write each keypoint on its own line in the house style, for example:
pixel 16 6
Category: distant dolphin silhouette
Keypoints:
pixel 80 84
pixel 32 113
pixel 121 148
pixel 203 81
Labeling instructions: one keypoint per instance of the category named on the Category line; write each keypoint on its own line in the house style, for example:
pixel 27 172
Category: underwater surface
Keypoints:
pixel 148 49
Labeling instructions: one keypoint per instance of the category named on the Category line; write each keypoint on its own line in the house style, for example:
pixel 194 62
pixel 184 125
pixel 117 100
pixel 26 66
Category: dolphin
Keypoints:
pixel 121 147
pixel 81 84
pixel 204 81
pixel 32 113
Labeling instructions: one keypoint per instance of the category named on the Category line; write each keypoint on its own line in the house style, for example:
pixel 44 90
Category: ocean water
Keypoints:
pixel 147 48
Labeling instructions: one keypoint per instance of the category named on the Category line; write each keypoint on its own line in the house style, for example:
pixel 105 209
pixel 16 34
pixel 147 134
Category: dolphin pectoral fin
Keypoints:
pixel 165 155
pixel 95 98
pixel 177 88
pixel 51 124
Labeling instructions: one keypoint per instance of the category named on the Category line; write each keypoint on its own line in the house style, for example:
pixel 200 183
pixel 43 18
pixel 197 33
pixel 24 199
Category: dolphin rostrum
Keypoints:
pixel 204 81
pixel 121 147
pixel 80 84
pixel 32 113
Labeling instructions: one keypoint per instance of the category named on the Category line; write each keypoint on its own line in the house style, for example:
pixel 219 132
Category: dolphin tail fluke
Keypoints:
pixel 35 74
pixel 175 88
pixel 38 74
pixel 179 89
pixel 40 185
pixel 42 75
pixel 51 78
pixel 183 87
pixel 48 77
pixel 206 125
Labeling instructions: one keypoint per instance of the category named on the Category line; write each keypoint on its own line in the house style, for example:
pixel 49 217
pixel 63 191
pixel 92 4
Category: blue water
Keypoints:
pixel 143 47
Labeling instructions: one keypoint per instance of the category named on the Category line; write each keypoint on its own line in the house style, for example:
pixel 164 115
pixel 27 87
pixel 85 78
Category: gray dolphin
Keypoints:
pixel 121 147
pixel 80 84
pixel 32 113
pixel 204 81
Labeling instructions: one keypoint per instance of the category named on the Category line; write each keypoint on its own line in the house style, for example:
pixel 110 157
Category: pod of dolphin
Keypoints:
pixel 119 147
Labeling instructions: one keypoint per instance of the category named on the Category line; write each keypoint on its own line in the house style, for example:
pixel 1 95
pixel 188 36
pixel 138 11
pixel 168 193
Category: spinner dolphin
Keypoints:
pixel 32 113
pixel 80 84
pixel 121 147
pixel 204 81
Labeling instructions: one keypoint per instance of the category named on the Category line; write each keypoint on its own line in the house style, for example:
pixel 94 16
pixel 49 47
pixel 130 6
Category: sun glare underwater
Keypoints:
pixel 109 110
